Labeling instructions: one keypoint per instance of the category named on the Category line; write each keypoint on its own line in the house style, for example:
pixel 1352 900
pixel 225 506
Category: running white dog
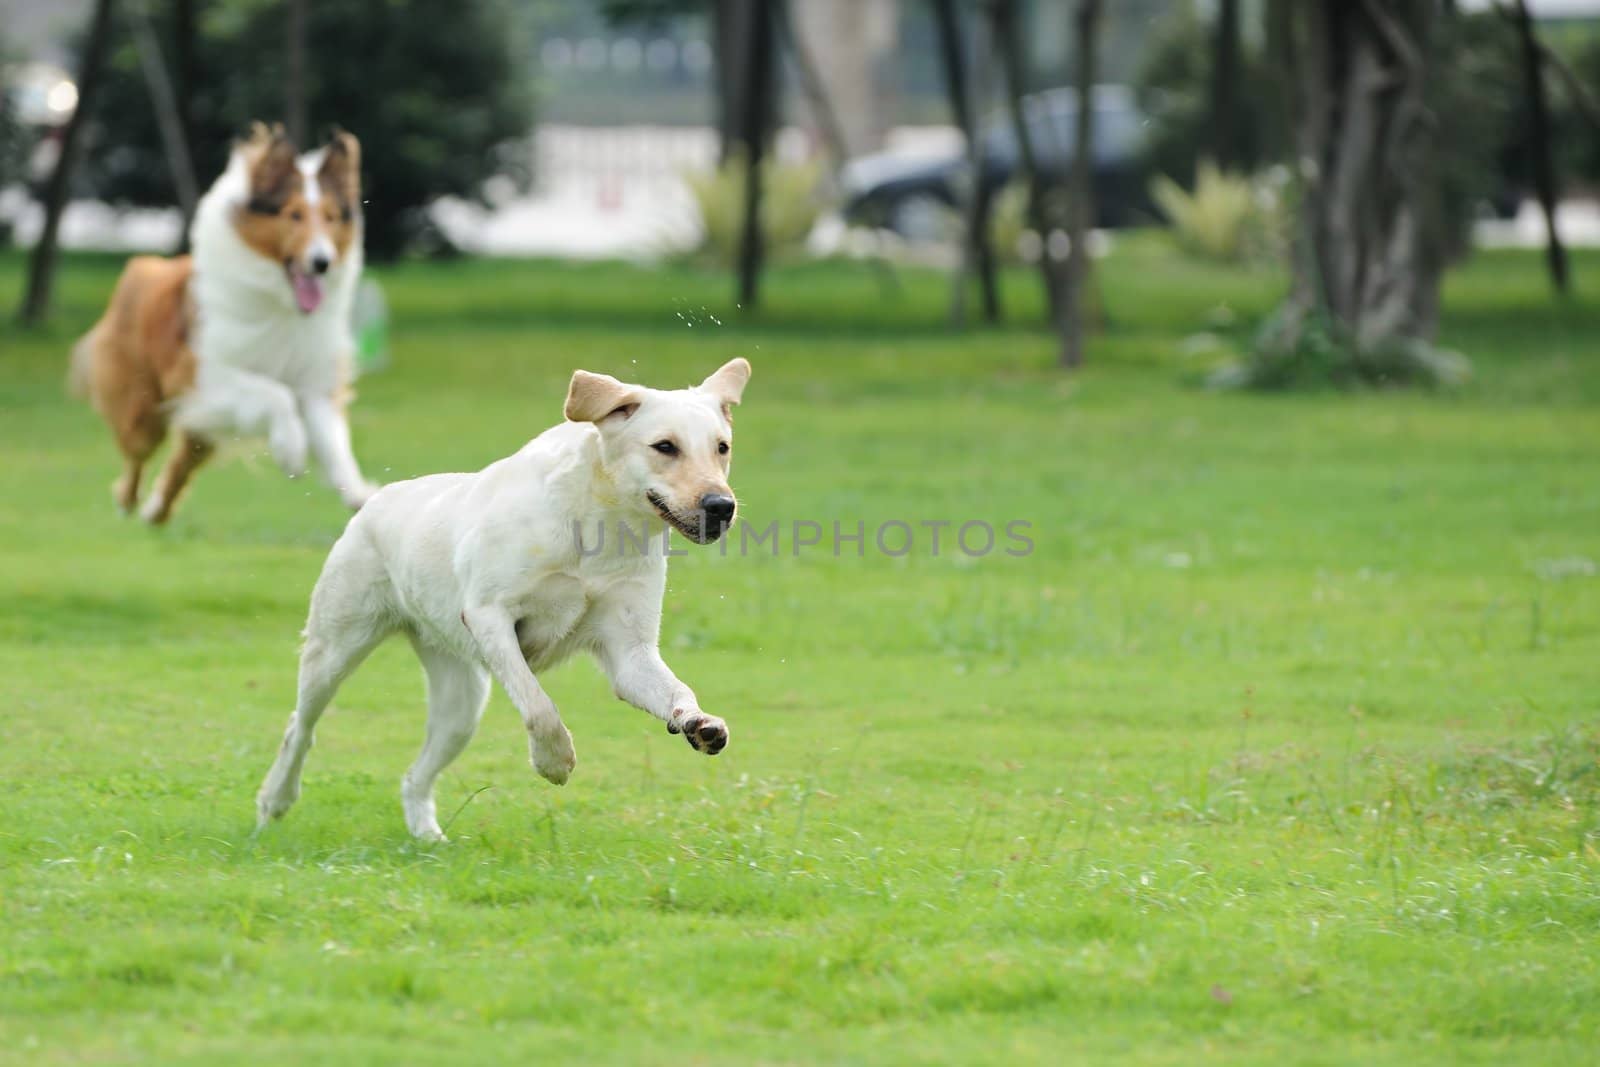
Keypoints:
pixel 506 572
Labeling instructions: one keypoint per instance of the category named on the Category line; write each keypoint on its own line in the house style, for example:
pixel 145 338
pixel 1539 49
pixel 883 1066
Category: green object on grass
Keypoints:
pixel 369 321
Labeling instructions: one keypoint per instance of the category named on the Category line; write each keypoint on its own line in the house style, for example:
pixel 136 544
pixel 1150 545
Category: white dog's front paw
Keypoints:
pixel 288 444
pixel 553 756
pixel 356 496
pixel 705 733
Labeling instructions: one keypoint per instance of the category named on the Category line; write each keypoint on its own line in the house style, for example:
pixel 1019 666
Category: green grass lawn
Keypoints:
pixel 1281 746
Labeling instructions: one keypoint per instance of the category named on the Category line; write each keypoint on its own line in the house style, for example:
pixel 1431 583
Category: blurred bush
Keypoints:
pixel 1225 217
pixel 1322 354
pixel 1009 231
pixel 429 86
pixel 790 206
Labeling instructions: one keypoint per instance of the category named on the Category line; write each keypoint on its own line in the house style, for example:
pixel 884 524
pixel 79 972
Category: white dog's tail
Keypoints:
pixel 80 372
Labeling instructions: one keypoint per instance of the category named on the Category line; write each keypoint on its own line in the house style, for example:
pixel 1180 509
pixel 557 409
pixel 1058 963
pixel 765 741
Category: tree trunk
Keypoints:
pixel 1224 103
pixel 843 39
pixel 294 95
pixel 747 95
pixel 826 115
pixel 186 80
pixel 757 108
pixel 41 269
pixel 966 91
pixel 1371 246
pixel 169 118
pixel 1042 205
pixel 1080 187
pixel 1544 167
pixel 811 85
pixel 727 42
pixel 980 207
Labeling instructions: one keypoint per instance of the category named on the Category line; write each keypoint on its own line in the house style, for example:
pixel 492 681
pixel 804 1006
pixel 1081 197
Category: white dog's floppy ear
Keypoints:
pixel 591 397
pixel 727 384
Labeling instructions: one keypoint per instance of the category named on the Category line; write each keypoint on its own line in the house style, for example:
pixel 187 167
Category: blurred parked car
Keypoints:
pixel 911 194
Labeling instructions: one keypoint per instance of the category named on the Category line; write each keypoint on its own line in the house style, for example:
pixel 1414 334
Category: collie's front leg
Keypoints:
pixel 330 443
pixel 228 402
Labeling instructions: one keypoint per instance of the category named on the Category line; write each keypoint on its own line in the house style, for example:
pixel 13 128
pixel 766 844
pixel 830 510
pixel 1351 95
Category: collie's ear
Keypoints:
pixel 261 136
pixel 273 170
pixel 596 397
pixel 341 166
pixel 727 384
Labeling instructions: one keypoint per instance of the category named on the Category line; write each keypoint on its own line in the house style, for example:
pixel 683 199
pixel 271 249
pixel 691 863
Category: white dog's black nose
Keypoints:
pixel 718 508
pixel 320 262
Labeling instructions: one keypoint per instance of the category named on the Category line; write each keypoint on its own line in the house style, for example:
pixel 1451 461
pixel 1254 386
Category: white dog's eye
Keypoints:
pixel 666 448
pixel 722 448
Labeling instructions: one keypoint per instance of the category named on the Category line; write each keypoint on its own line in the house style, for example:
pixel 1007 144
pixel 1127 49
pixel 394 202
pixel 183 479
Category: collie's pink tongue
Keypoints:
pixel 307 291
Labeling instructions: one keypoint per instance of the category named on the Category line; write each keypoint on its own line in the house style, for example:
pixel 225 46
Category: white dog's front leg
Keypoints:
pixel 330 443
pixel 641 677
pixel 549 742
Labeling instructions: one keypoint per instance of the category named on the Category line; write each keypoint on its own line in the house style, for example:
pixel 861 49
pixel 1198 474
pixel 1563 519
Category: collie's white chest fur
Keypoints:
pixel 277 258
pixel 246 316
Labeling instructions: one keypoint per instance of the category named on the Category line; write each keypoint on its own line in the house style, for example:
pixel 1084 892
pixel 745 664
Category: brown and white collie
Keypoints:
pixel 250 336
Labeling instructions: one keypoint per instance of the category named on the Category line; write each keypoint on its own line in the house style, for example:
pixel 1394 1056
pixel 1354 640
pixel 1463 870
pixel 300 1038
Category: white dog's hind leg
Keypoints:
pixel 349 618
pixel 329 434
pixel 549 743
pixel 324 664
pixel 457 692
